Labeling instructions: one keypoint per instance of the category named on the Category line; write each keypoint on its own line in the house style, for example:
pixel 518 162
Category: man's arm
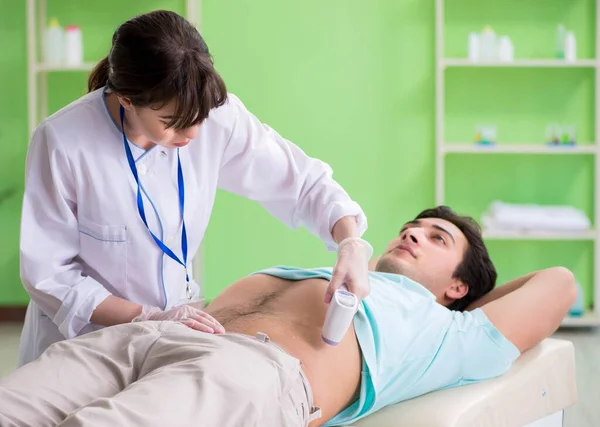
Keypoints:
pixel 529 309
pixel 500 291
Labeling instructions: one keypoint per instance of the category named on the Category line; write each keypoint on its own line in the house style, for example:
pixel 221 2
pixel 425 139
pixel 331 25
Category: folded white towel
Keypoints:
pixel 498 208
pixel 507 216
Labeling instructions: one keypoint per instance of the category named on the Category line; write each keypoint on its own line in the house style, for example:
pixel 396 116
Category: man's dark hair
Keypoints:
pixel 476 269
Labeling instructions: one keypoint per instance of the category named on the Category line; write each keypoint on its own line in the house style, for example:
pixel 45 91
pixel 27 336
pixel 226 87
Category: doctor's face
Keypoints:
pixel 428 251
pixel 152 124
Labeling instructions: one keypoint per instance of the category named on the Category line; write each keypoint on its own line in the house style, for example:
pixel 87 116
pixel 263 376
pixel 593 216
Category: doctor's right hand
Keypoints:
pixel 190 316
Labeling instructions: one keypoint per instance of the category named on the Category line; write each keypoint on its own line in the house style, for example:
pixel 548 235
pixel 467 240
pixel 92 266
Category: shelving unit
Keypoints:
pixel 536 235
pixel 445 148
pixel 518 149
pixel 38 77
pixel 458 62
pixel 47 68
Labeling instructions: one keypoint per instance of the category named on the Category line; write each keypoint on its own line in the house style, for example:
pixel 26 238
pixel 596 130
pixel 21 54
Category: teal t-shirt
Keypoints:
pixel 412 345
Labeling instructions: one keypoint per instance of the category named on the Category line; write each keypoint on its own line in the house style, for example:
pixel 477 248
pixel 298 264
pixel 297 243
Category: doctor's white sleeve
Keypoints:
pixel 49 242
pixel 298 190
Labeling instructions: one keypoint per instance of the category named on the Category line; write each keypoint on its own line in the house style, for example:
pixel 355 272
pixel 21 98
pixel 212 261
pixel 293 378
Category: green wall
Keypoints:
pixel 352 82
pixel 348 81
pixel 13 143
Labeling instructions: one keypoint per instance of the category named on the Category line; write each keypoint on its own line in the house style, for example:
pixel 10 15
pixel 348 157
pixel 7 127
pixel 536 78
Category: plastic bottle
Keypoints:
pixel 53 43
pixel 560 41
pixel 474 48
pixel 570 47
pixel 505 49
pixel 488 44
pixel 73 45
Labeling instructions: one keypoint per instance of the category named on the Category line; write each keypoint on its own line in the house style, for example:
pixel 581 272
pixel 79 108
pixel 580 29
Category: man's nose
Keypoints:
pixel 410 234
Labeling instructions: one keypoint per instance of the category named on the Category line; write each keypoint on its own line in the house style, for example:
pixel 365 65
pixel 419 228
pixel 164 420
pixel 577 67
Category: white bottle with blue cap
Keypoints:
pixel 340 313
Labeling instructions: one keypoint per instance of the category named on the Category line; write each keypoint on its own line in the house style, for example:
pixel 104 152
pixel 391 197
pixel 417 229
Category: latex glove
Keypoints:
pixel 200 305
pixel 351 268
pixel 189 315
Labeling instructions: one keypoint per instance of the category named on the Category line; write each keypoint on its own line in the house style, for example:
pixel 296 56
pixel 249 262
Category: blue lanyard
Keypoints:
pixel 140 204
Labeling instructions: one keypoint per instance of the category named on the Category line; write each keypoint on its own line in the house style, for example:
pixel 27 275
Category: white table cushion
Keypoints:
pixel 541 382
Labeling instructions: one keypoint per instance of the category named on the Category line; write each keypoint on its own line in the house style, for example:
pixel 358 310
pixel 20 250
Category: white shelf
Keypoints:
pixel 518 149
pixel 532 63
pixel 587 319
pixel 43 68
pixel 538 235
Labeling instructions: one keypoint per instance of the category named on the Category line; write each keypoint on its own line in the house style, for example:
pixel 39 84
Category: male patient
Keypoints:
pixel 429 322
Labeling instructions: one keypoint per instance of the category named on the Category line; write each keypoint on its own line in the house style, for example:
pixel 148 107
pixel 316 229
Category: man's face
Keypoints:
pixel 428 252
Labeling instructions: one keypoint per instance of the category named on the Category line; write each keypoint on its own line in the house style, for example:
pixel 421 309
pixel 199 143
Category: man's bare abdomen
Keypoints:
pixel 292 314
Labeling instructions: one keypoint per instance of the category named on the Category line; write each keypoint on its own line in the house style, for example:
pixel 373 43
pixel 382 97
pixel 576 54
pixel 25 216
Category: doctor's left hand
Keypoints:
pixel 351 268
pixel 190 316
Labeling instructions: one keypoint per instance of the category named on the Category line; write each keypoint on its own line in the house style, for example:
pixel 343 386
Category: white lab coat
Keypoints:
pixel 82 238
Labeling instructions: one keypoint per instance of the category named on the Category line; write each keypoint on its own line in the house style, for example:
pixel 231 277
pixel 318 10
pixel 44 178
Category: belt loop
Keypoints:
pixel 315 412
pixel 262 337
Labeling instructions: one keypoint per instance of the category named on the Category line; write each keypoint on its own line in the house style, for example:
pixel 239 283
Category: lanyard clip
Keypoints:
pixel 188 290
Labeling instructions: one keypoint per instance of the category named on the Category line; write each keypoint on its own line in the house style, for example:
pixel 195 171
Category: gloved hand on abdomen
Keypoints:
pixel 188 315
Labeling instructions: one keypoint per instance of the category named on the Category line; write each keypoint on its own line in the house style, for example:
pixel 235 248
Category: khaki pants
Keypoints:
pixel 159 374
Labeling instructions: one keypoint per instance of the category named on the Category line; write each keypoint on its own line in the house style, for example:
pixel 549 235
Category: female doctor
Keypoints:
pixel 120 186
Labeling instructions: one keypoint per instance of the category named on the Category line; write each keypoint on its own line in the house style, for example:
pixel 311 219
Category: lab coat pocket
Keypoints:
pixel 103 248
pixel 103 233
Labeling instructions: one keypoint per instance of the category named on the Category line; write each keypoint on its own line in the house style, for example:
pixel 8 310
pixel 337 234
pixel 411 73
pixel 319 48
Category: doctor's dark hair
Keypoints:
pixel 160 57
pixel 476 269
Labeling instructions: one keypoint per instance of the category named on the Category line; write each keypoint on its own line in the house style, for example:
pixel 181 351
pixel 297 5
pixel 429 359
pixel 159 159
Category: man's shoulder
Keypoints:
pixel 300 273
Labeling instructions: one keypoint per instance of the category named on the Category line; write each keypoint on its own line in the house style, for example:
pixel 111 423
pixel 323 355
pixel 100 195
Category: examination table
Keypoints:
pixel 533 393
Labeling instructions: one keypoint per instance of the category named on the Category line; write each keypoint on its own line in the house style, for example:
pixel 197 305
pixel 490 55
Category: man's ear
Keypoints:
pixel 457 291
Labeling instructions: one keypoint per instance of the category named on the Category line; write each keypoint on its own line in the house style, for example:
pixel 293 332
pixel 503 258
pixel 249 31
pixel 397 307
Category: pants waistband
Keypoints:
pixel 314 412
